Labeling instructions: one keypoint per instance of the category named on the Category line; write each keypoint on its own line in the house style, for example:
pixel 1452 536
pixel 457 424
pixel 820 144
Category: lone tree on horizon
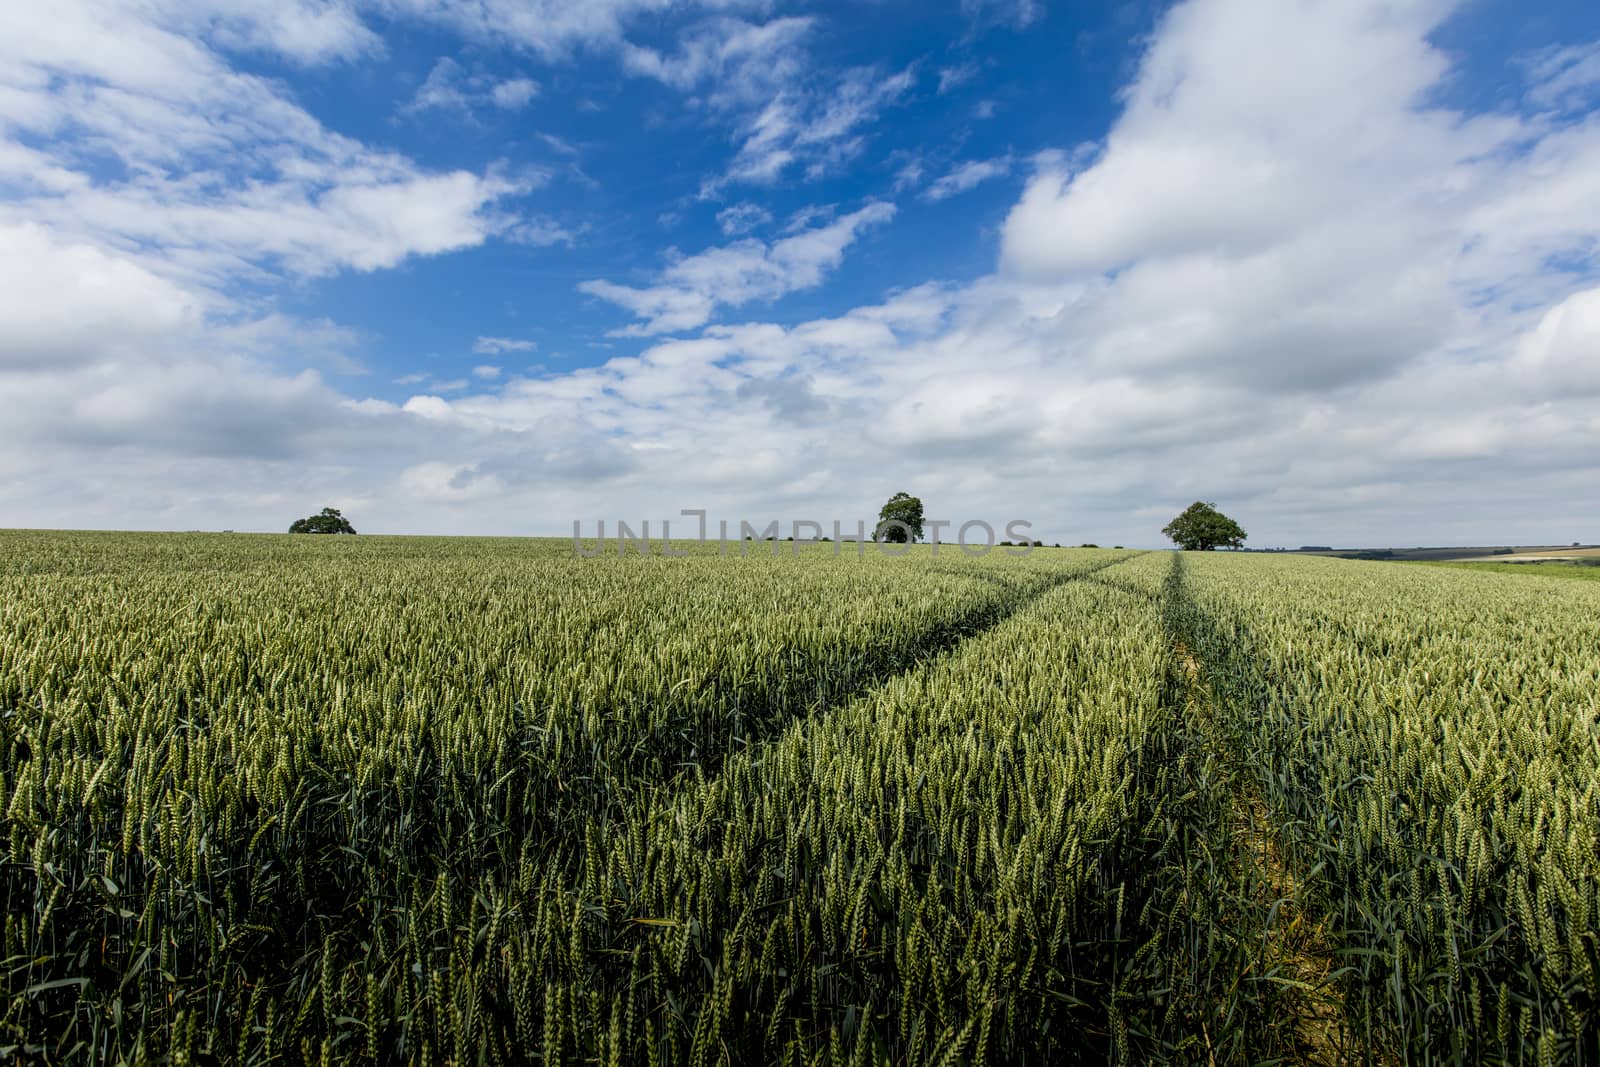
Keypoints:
pixel 1202 528
pixel 329 522
pixel 900 520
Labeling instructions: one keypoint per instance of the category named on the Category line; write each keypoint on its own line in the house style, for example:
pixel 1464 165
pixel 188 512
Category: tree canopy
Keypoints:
pixel 328 522
pixel 900 520
pixel 1202 528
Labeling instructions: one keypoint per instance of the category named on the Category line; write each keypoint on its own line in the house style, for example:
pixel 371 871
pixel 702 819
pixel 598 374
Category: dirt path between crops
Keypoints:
pixel 1295 950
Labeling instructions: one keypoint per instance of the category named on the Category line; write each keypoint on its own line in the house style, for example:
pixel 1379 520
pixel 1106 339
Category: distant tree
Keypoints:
pixel 900 520
pixel 1202 528
pixel 329 522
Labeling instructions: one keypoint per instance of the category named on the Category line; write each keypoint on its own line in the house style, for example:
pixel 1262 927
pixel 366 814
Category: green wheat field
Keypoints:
pixel 273 799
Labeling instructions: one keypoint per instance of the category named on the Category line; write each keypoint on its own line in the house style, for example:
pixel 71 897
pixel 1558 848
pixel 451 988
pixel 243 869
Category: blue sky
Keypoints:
pixel 626 163
pixel 492 266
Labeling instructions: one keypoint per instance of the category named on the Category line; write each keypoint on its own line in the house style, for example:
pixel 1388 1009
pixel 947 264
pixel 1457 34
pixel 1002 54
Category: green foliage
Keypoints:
pixel 329 521
pixel 1584 568
pixel 900 519
pixel 1202 528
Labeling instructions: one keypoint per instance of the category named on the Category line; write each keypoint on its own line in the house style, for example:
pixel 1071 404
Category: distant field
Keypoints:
pixel 1485 553
pixel 1551 570
pixel 382 800
pixel 1535 555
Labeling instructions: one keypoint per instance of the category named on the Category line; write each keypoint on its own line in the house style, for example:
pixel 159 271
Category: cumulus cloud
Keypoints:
pixel 1563 351
pixel 68 301
pixel 1228 146
pixel 687 293
pixel 1241 223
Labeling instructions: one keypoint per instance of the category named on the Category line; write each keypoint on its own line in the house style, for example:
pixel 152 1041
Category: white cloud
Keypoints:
pixel 550 28
pixel 446 482
pixel 485 372
pixel 541 232
pixel 1563 351
pixel 221 175
pixel 951 78
pixel 1566 77
pixel 910 174
pixel 306 31
pixel 62 300
pixel 968 175
pixel 784 110
pixel 514 93
pixel 489 346
pixel 742 218
pixel 687 293
pixel 808 216
pixel 441 89
pixel 821 129
pixel 741 63
pixel 1206 157
pixel 449 87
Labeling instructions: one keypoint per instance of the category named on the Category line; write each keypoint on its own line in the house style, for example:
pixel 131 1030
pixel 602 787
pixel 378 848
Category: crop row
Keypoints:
pixel 1429 743
pixel 216 763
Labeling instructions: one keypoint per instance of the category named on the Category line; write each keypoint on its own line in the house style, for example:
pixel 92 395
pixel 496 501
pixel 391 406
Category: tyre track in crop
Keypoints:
pixel 611 798
pixel 602 777
pixel 838 812
pixel 1293 964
